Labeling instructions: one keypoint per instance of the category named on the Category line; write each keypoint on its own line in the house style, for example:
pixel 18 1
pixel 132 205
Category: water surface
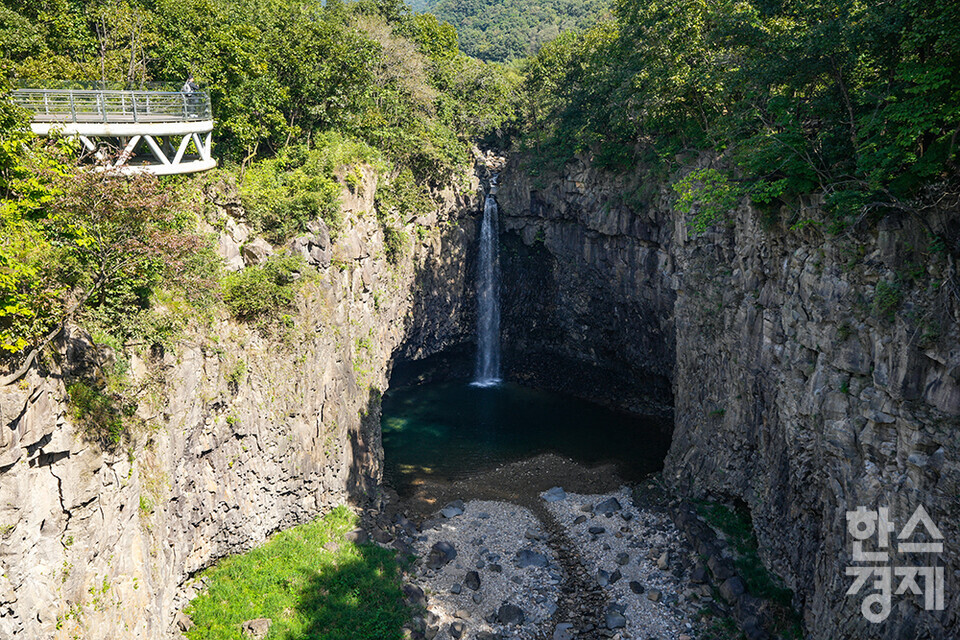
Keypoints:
pixel 453 430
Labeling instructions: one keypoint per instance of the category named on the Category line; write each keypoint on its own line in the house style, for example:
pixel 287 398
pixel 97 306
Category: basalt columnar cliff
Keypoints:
pixel 794 385
pixel 810 374
pixel 245 434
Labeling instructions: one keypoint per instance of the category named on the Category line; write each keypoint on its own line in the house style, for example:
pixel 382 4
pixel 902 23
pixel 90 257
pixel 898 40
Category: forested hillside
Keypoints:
pixel 859 102
pixel 499 30
pixel 303 92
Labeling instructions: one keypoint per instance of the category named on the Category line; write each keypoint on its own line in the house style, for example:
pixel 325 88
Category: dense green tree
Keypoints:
pixel 858 101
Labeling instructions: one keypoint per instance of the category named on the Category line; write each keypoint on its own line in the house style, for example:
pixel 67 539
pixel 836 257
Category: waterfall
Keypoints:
pixel 487 370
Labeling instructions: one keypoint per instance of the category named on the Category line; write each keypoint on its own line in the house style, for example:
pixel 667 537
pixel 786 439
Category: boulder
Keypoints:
pixel 256 252
pixel 510 614
pixel 440 554
pixel 732 588
pixel 607 507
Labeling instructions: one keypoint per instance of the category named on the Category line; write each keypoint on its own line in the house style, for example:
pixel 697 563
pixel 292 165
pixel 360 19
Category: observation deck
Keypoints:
pixel 159 132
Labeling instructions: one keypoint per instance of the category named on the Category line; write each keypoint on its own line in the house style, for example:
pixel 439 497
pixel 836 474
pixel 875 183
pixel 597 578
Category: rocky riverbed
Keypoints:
pixel 551 564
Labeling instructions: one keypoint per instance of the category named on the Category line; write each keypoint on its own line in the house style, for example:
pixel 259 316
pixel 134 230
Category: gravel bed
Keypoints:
pixel 492 539
pixel 638 557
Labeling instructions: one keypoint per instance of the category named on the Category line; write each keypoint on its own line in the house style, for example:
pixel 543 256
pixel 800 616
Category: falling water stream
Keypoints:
pixel 487 370
pixel 449 429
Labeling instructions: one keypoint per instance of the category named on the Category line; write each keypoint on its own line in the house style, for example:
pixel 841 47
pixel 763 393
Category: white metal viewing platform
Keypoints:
pixel 175 127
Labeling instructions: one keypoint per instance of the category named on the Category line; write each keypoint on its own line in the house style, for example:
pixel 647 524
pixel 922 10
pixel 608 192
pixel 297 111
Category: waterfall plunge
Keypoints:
pixel 487 370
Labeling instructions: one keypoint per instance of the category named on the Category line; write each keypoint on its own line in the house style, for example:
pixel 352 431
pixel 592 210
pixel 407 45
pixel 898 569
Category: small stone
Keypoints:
pixel 510 614
pixel 257 628
pixel 615 576
pixel 663 562
pixel 623 559
pixel 595 530
pixel 563 631
pixel 603 578
pixel 615 620
pixel 580 520
pixel 457 629
pixel 653 595
pixel 450 512
pixel 636 587
pixel 496 568
pixel 472 580
pixel 530 558
pixel 455 589
pixel 477 598
pixel 184 622
pixel 462 614
pixel 554 495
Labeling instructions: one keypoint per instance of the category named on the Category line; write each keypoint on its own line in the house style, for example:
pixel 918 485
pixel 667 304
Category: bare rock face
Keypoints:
pixel 810 374
pixel 245 434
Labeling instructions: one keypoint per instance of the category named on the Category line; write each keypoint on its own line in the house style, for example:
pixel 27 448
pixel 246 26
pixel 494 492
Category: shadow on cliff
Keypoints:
pixel 366 444
pixel 359 599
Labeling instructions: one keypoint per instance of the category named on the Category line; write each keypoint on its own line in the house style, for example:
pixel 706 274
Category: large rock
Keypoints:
pixel 256 252
pixel 440 554
pixel 256 629
pixel 510 614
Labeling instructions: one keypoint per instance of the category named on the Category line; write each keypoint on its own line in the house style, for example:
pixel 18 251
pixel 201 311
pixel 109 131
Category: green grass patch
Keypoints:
pixel 352 593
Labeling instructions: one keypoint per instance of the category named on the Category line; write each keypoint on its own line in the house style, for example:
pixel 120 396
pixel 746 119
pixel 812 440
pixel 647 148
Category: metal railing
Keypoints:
pixel 100 106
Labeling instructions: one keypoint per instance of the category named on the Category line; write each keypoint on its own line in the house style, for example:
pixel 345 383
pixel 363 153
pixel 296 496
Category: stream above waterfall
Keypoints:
pixel 451 430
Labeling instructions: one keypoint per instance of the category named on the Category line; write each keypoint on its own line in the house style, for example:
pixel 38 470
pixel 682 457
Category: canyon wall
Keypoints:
pixel 246 431
pixel 587 294
pixel 811 374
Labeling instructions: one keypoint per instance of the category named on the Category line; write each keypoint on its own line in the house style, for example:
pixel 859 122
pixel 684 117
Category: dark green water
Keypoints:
pixel 452 430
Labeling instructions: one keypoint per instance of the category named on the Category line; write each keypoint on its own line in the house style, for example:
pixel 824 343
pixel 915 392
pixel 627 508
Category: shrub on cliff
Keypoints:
pixel 264 289
pixel 92 247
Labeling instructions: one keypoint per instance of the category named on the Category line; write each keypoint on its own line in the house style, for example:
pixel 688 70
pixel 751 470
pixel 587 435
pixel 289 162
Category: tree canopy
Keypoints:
pixel 859 101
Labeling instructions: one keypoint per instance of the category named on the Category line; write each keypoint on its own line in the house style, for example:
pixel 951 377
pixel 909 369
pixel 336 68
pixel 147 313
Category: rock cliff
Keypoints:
pixel 811 374
pixel 245 434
